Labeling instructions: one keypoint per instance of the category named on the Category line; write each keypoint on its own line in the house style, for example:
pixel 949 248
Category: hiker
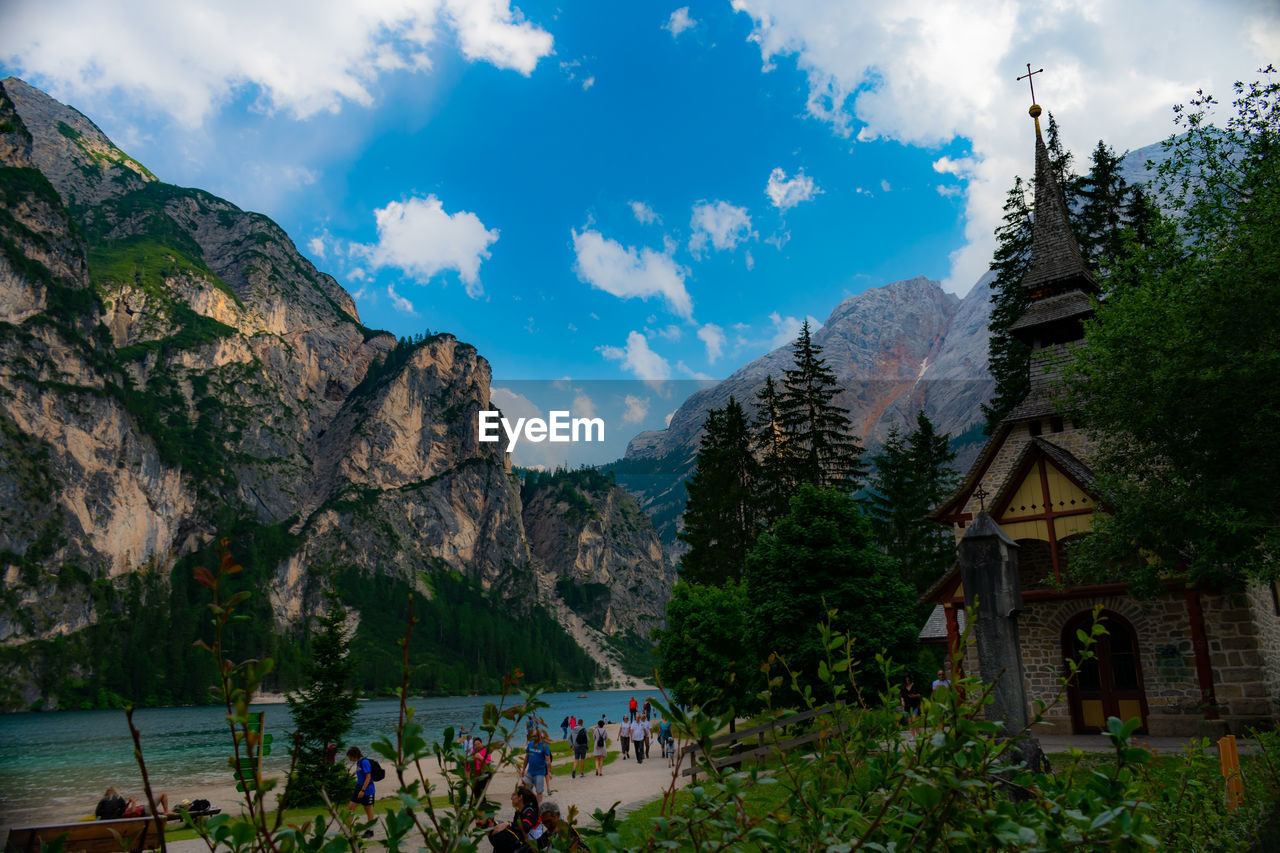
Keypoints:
pixel 581 739
pixel 637 740
pixel 601 737
pixel 503 836
pixel 364 790
pixel 564 729
pixel 564 836
pixel 667 741
pixel 632 708
pixel 624 737
pixel 537 764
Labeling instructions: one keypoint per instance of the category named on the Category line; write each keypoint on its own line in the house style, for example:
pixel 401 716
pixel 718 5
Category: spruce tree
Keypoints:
pixel 820 444
pixel 323 712
pixel 720 518
pixel 774 485
pixel 1008 358
pixel 913 475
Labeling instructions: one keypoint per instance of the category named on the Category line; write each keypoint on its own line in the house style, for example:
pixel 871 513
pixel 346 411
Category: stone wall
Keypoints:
pixel 1246 660
pixel 1266 620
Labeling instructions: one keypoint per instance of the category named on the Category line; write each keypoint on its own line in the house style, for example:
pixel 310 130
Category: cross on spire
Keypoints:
pixel 1030 81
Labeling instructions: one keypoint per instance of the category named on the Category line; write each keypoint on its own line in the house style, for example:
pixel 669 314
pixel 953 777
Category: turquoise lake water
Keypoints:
pixel 55 766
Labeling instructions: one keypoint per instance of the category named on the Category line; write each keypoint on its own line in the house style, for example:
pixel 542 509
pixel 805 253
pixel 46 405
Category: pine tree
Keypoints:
pixel 1008 357
pixel 323 712
pixel 820 443
pixel 913 475
pixel 720 518
pixel 774 485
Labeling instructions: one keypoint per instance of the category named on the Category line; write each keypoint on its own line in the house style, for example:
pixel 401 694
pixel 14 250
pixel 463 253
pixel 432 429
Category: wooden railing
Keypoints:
pixel 740 750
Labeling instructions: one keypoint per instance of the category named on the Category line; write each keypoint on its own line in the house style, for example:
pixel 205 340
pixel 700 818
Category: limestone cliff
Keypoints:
pixel 171 368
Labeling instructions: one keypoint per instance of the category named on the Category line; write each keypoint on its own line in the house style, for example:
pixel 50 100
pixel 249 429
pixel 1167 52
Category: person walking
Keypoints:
pixel 581 739
pixel 364 791
pixel 601 736
pixel 637 740
pixel 624 738
pixel 537 765
pixel 632 708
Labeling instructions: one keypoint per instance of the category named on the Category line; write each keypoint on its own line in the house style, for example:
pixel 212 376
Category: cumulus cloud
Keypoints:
pixel 926 72
pixel 644 213
pixel 627 273
pixel 679 22
pixel 671 332
pixel 720 223
pixel 188 59
pixel 316 246
pixel 636 409
pixel 583 405
pixel 417 236
pixel 713 336
pixel 786 194
pixel 636 357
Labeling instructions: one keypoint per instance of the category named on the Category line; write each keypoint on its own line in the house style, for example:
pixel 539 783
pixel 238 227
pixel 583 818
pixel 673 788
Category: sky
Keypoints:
pixel 616 202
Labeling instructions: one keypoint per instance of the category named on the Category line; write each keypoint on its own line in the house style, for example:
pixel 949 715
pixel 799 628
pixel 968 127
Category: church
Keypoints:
pixel 1192 661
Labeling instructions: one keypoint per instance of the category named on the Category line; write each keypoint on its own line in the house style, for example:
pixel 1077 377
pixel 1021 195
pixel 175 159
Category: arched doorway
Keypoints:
pixel 1110 683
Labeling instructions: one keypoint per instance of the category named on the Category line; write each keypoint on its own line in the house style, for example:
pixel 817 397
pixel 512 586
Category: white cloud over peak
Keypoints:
pixel 627 272
pixel 417 236
pixel 188 59
pixel 679 22
pixel 404 306
pixel 636 357
pixel 713 336
pixel 787 329
pixel 928 72
pixel 720 223
pixel 786 194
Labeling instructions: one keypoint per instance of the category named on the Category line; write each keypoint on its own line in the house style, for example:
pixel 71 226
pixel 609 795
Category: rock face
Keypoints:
pixel 896 349
pixel 170 366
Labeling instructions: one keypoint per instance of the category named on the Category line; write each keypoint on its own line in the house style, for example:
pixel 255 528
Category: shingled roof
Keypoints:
pixel 1056 263
pixel 1060 306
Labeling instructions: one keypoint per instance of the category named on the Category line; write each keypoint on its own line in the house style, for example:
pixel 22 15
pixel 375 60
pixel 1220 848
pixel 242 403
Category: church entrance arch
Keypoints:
pixel 1110 683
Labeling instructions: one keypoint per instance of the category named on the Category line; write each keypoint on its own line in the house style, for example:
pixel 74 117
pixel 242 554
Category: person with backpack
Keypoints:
pixel 581 739
pixel 601 736
pixel 537 764
pixel 364 791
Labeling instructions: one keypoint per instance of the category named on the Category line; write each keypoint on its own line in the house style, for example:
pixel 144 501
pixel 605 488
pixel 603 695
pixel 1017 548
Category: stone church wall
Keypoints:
pixel 1243 653
pixel 1262 600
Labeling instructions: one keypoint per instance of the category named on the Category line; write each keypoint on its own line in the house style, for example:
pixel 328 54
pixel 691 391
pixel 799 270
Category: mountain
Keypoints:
pixel 895 349
pixel 174 371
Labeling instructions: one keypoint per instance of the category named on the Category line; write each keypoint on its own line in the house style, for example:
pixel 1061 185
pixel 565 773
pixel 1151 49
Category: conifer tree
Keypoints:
pixel 323 712
pixel 774 487
pixel 720 518
pixel 820 444
pixel 1008 358
pixel 913 475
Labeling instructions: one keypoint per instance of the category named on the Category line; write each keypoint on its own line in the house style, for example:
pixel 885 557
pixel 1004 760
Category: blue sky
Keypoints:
pixel 622 191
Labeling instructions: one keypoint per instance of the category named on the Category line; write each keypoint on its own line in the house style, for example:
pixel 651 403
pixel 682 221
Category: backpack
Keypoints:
pixel 376 773
pixel 599 738
pixel 582 736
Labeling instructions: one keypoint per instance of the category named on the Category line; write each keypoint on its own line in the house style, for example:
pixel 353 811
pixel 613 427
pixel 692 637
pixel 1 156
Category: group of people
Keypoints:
pixel 911 697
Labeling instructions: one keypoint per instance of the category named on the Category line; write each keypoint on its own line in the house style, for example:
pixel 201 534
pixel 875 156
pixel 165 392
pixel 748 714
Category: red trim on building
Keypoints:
pixel 1200 644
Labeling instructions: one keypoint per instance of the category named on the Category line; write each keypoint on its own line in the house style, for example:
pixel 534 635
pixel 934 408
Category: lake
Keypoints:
pixel 56 765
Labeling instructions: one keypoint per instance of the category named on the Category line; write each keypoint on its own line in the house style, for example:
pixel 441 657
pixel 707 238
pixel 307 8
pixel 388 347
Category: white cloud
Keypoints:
pixel 316 246
pixel 668 418
pixel 188 59
pixel 950 190
pixel 637 409
pixel 588 83
pixel 644 213
pixel 627 272
pixel 679 22
pixel 357 274
pixel 583 405
pixel 719 222
pixel 713 336
pixel 688 371
pixel 884 186
pixel 786 194
pixel 643 362
pixel 404 306
pixel 927 72
pixel 514 405
pixel 671 332
pixel 418 237
pixel 785 330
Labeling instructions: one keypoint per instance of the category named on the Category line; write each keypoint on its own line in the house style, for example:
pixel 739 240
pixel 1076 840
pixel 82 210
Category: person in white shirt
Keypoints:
pixel 637 740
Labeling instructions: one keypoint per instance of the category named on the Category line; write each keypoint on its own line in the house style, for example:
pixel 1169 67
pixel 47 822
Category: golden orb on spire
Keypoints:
pixel 1035 111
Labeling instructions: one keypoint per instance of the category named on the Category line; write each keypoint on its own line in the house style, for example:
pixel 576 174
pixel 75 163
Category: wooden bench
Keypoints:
pixel 90 836
pixel 740 751
pixel 196 816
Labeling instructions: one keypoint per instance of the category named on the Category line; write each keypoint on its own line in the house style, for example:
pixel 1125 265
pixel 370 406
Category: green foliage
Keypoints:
pixel 913 475
pixel 323 712
pixel 769 440
pixel 68 131
pixel 570 487
pixel 821 557
pixel 1178 373
pixel 635 654
pixel 721 521
pixel 820 445
pixel 703 658
pixel 468 641
pixel 589 600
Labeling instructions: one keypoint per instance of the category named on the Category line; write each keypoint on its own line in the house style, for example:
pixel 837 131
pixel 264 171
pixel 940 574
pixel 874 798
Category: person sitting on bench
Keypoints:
pixel 113 805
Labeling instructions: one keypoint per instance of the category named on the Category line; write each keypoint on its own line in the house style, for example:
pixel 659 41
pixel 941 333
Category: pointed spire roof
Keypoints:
pixel 1056 263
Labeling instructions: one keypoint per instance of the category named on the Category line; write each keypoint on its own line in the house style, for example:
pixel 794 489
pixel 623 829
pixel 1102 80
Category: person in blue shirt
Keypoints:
pixel 537 764
pixel 364 791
